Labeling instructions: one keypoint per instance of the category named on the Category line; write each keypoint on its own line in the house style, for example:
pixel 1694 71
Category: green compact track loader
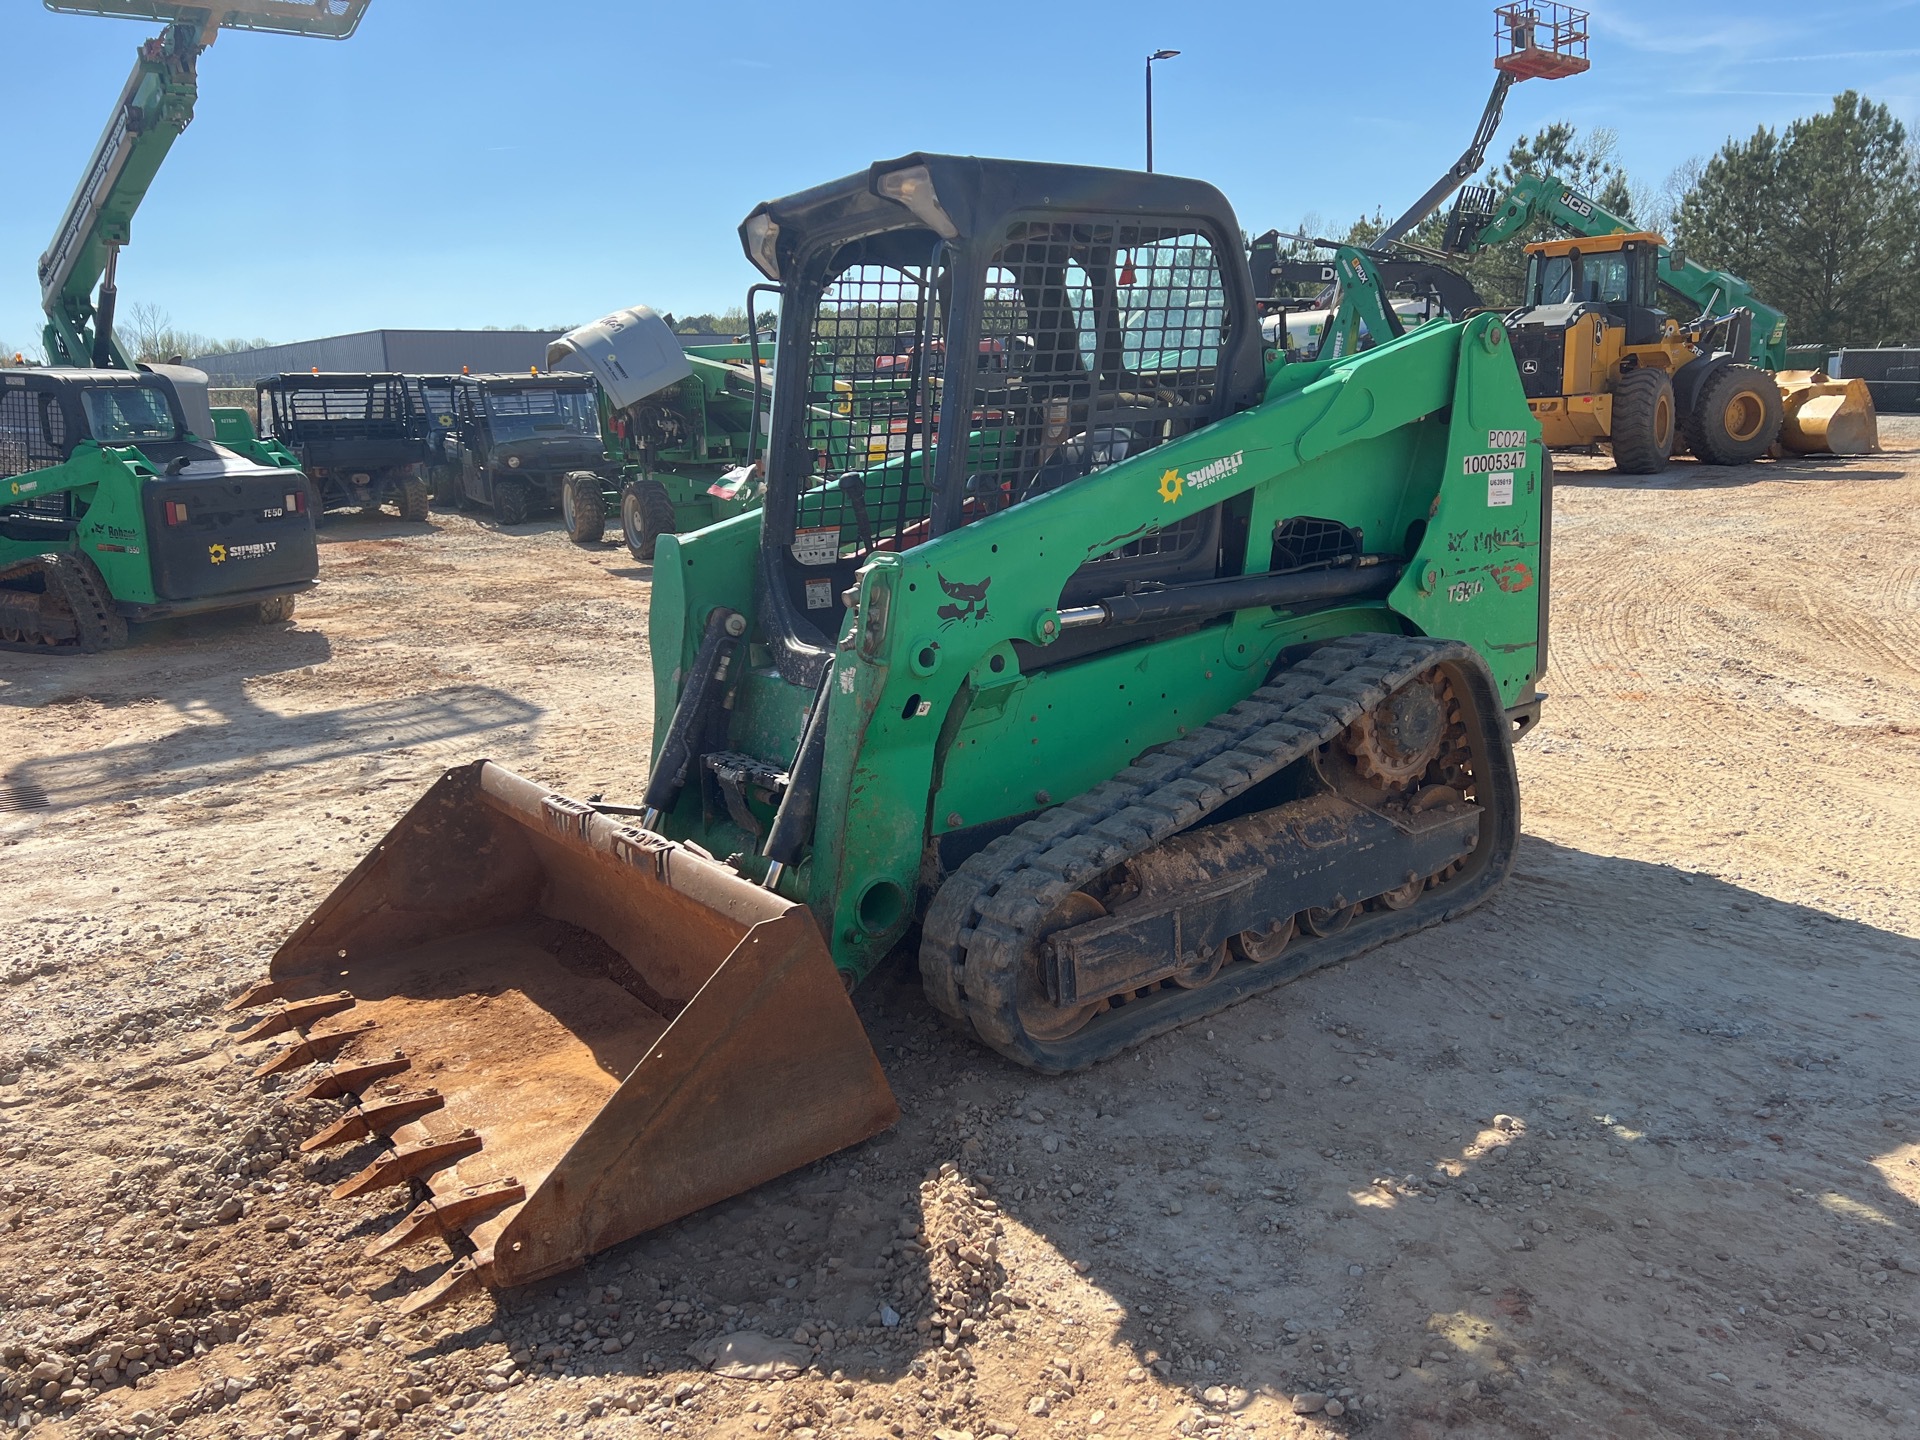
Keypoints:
pixel 116 506
pixel 1132 671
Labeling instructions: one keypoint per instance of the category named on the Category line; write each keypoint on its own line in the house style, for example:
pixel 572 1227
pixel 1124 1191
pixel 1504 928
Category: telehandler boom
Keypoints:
pixel 1146 672
pixel 155 107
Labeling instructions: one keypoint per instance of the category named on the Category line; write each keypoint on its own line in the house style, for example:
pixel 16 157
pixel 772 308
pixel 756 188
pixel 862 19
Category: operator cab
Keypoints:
pixel 46 414
pixel 961 335
pixel 1617 274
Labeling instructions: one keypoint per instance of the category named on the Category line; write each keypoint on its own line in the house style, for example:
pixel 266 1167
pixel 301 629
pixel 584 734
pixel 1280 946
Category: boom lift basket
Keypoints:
pixel 330 19
pixel 1539 41
pixel 560 1031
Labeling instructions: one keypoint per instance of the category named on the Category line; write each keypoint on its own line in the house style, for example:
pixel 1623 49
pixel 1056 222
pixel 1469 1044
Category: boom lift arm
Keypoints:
pixel 154 108
pixel 1479 221
pixel 1531 40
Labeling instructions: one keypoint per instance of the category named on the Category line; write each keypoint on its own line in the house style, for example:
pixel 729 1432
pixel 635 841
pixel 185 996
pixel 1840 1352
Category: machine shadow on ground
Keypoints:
pixel 340 525
pixel 1686 473
pixel 199 659
pixel 1308 1243
pixel 238 748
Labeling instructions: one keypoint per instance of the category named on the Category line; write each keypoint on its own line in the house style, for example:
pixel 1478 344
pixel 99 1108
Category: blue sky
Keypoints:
pixel 473 162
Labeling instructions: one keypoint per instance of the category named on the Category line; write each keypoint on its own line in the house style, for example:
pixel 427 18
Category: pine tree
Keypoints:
pixel 1823 221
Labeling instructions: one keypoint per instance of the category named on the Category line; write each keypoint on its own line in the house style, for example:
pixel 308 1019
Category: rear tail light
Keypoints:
pixel 296 502
pixel 176 512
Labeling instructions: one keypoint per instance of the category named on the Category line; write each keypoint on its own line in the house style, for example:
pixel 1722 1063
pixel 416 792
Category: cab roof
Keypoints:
pixel 546 380
pixel 975 195
pixel 1595 244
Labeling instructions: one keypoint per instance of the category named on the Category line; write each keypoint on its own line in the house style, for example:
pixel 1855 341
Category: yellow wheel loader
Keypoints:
pixel 1601 361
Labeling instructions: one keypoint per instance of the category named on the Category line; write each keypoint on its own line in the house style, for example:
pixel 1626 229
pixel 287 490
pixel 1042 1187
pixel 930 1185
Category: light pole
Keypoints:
pixel 1156 55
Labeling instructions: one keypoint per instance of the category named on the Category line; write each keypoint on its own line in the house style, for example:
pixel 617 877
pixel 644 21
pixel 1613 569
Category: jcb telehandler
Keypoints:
pixel 1148 671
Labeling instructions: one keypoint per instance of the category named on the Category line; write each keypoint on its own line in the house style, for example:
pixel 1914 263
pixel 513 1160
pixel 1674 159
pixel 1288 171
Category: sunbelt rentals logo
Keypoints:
pixel 1174 483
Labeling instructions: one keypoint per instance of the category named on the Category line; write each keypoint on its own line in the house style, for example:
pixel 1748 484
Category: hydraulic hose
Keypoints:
pixel 705 683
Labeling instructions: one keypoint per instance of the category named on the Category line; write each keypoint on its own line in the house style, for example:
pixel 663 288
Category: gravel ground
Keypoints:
pixel 1632 1151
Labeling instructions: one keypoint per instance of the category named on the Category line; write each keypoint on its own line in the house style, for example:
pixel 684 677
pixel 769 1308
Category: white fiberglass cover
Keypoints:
pixel 631 352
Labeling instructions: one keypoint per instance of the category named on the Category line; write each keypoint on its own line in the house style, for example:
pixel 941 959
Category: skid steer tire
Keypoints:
pixel 512 503
pixel 1736 418
pixel 416 500
pixel 1643 422
pixel 276 611
pixel 583 508
pixel 646 513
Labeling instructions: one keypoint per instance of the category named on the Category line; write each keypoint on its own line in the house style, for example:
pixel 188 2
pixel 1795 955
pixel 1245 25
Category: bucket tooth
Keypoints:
pixel 258 993
pixel 463 1277
pixel 289 1016
pixel 312 1048
pixel 635 1029
pixel 408 1162
pixel 353 1079
pixel 382 1118
pixel 444 1214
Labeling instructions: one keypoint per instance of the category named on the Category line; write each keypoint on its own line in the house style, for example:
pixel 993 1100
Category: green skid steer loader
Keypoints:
pixel 1138 672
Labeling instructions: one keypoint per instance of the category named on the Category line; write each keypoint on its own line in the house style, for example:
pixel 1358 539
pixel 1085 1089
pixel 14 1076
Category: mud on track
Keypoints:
pixel 1632 1151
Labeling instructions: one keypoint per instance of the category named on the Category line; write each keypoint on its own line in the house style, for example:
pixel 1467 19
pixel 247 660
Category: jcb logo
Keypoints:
pixel 1577 203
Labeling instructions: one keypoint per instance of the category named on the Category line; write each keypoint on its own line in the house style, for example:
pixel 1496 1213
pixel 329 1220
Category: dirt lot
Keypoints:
pixel 1632 1151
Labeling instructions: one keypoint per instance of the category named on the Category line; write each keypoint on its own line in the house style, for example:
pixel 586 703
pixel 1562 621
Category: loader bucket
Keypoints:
pixel 560 1030
pixel 1823 416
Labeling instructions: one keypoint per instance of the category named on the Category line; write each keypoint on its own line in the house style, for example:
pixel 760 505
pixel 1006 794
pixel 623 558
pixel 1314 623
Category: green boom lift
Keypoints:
pixel 1146 671
pixel 116 502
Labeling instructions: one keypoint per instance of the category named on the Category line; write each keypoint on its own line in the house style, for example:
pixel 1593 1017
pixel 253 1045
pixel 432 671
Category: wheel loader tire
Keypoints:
pixel 646 513
pixel 1643 427
pixel 583 508
pixel 512 502
pixel 416 499
pixel 1736 418
pixel 276 611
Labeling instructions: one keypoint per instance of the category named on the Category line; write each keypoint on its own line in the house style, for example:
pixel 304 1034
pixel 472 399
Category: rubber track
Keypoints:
pixel 976 934
pixel 80 587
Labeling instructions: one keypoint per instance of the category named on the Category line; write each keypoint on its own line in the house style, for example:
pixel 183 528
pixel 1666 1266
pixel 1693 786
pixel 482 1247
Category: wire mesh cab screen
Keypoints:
pixel 1113 333
pixel 33 430
pixel 1090 340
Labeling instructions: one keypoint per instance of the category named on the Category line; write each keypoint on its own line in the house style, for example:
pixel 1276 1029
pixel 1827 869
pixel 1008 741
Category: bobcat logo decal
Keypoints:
pixel 973 597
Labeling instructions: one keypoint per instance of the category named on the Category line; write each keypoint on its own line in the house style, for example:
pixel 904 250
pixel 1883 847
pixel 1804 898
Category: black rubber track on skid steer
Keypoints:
pixel 80 587
pixel 979 929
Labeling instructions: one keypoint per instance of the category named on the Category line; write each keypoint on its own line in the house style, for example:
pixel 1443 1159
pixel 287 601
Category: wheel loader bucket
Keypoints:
pixel 1823 416
pixel 559 1031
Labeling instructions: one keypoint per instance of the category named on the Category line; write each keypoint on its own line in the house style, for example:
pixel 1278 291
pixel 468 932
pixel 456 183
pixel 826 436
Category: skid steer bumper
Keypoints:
pixel 552 1032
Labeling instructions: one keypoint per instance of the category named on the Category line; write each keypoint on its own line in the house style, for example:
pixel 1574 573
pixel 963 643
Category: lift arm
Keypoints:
pixel 1463 168
pixel 155 106
pixel 1541 197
